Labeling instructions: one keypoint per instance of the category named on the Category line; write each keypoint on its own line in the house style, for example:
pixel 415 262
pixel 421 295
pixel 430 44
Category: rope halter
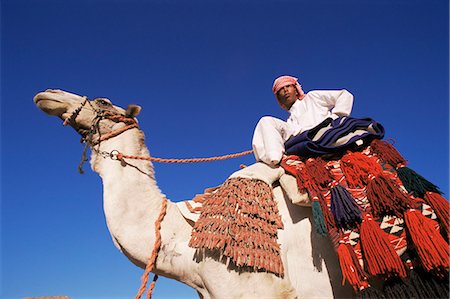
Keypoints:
pixel 100 114
pixel 93 136
pixel 88 137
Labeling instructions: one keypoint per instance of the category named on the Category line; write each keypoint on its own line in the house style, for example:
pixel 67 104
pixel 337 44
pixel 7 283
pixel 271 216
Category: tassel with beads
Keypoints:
pixel 380 255
pixel 415 183
pixel 344 208
pixel 431 247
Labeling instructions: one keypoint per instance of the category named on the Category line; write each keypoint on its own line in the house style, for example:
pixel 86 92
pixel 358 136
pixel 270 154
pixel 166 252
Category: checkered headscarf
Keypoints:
pixel 282 81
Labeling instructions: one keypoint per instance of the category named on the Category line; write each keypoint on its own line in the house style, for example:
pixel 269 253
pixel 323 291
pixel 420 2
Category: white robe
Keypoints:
pixel 271 133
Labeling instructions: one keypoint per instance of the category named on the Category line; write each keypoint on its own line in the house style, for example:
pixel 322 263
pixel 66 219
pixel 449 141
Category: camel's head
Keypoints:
pixel 83 114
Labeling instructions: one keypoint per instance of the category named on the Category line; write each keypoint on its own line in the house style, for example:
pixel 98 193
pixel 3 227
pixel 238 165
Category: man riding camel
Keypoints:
pixel 306 112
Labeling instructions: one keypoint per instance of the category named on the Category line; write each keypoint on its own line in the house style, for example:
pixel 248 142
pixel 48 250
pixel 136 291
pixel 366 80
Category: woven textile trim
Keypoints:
pixel 391 242
pixel 240 220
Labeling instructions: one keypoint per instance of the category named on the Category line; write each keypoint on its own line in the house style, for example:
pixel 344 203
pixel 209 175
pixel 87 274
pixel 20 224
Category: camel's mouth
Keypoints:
pixel 60 103
pixel 57 102
pixel 48 102
pixel 51 107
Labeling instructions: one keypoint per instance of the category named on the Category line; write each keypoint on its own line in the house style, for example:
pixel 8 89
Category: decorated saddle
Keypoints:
pixel 385 220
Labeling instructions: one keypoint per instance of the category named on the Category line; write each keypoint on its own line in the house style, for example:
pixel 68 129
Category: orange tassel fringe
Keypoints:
pixel 241 221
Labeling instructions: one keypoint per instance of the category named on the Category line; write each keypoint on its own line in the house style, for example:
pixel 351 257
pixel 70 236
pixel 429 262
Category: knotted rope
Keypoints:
pixel 153 257
pixel 116 155
pixel 121 156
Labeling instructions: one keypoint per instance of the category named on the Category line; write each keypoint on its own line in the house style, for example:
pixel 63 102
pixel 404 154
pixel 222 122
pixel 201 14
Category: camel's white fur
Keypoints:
pixel 132 202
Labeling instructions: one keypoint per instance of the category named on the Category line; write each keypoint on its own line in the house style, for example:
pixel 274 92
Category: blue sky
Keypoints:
pixel 202 73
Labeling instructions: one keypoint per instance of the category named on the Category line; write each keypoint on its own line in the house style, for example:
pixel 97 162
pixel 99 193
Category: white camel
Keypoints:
pixel 133 200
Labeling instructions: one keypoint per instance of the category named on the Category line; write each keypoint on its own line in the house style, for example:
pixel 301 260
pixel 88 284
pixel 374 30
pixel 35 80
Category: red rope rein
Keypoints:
pixel 130 123
pixel 151 263
pixel 154 256
pixel 120 156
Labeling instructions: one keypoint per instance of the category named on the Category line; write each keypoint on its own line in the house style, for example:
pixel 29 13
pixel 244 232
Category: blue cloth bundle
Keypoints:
pixel 335 136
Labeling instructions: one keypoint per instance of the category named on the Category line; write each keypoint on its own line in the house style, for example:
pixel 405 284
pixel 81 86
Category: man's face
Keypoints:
pixel 287 96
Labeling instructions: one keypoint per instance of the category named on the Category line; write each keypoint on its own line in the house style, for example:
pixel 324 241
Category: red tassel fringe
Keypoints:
pixel 297 168
pixel 441 207
pixel 430 245
pixel 380 255
pixel 302 179
pixel 318 173
pixel 386 198
pixel 329 219
pixel 357 167
pixel 387 152
pixel 351 270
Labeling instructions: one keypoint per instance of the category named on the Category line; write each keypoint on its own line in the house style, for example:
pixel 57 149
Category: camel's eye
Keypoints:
pixel 103 102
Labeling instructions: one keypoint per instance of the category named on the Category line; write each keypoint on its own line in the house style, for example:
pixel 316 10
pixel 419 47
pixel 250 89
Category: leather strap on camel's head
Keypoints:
pixel 89 136
pixel 93 136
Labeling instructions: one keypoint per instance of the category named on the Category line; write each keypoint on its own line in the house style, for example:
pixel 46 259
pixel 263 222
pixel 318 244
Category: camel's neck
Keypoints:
pixel 132 199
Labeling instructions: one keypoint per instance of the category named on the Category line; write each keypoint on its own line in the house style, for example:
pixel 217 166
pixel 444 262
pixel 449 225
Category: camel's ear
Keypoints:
pixel 133 111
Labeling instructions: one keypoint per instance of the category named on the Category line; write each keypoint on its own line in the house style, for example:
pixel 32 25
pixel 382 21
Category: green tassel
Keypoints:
pixel 416 183
pixel 319 219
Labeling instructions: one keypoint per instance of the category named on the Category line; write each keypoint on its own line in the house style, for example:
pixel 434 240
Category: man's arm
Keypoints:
pixel 339 102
